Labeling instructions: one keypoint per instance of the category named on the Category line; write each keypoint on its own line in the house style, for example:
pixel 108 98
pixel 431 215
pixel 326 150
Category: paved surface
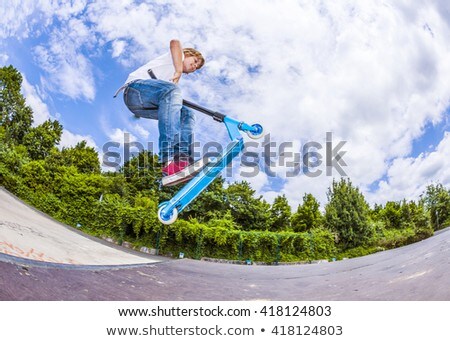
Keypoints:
pixel 420 271
pixel 28 233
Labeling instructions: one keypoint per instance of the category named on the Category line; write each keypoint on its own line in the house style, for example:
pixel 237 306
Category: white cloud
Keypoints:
pixel 14 18
pixel 118 47
pixel 69 139
pixel 69 70
pixel 408 177
pixel 365 73
pixel 35 101
pixel 41 114
pixel 23 18
pixel 374 74
pixel 128 22
pixel 121 136
pixel 141 131
pixel 257 180
pixel 3 58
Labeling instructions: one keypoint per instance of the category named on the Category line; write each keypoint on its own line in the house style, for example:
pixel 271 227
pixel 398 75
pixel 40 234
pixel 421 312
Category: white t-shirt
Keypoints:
pixel 161 66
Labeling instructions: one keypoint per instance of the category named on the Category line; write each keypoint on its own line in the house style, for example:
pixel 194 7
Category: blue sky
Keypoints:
pixel 374 74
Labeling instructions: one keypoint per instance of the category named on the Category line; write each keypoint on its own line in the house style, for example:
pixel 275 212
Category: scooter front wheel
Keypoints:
pixel 257 133
pixel 164 218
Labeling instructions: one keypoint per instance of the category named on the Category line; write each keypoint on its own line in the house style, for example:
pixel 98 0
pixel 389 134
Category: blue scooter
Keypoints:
pixel 169 210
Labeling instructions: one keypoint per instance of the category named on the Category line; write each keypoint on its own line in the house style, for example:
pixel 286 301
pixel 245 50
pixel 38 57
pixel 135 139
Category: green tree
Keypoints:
pixel 280 214
pixel 347 214
pixel 84 158
pixel 142 172
pixel 143 217
pixel 12 158
pixel 418 218
pixel 36 177
pixel 375 213
pixel 308 215
pixel 42 139
pixel 249 212
pixel 391 215
pixel 210 204
pixel 15 116
pixel 437 201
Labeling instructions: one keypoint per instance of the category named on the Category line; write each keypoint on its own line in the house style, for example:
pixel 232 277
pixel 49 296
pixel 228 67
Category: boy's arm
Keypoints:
pixel 177 59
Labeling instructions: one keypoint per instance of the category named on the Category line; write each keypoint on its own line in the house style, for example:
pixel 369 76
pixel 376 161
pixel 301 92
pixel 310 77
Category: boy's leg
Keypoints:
pixel 169 107
pixel 186 133
pixel 159 100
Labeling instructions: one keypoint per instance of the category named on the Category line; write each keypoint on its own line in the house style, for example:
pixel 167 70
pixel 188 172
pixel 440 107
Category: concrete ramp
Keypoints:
pixel 29 234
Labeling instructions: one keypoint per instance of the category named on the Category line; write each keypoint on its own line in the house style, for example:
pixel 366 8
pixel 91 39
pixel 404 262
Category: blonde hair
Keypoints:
pixel 190 52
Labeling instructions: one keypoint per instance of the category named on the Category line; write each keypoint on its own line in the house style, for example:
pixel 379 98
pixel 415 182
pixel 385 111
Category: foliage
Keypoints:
pixel 15 116
pixel 347 214
pixel 143 219
pixel 280 214
pixel 83 158
pixel 210 204
pixel 249 212
pixel 142 172
pixel 112 216
pixel 308 215
pixel 410 219
pixel 40 140
pixel 195 240
pixel 437 201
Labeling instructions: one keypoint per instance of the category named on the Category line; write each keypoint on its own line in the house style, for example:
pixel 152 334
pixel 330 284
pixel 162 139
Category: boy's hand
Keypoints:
pixel 176 77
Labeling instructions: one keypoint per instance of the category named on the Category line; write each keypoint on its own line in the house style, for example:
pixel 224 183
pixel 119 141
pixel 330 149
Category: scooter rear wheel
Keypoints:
pixel 163 218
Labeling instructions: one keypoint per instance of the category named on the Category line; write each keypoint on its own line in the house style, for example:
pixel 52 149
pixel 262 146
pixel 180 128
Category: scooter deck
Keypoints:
pixel 168 210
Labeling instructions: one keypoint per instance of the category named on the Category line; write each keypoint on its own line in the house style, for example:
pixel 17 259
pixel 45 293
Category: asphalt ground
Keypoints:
pixel 420 271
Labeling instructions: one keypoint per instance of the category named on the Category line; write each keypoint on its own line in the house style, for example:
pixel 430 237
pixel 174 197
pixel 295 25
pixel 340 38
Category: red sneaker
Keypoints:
pixel 182 170
pixel 174 167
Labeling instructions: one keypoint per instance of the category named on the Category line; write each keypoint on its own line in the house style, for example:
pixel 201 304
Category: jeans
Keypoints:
pixel 159 100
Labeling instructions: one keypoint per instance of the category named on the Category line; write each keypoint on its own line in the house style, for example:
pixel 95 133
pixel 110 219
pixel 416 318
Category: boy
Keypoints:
pixel 152 92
